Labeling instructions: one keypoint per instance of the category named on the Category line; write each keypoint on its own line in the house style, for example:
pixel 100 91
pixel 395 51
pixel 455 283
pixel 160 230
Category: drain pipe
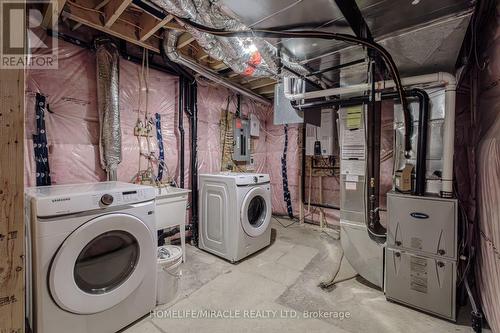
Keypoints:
pixel 170 46
pixel 181 130
pixel 193 115
pixel 443 79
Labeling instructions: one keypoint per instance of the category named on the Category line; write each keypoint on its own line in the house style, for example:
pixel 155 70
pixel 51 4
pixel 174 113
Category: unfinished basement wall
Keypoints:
pixel 73 128
pixel 72 121
pixel 488 177
pixel 477 163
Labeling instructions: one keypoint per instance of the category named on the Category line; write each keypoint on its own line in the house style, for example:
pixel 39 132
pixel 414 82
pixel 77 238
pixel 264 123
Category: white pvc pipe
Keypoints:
pixel 442 79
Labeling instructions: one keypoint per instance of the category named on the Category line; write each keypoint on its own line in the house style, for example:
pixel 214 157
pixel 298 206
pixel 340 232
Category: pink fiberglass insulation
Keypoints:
pixel 73 128
pixel 72 123
pixel 488 179
pixel 477 165
pixel 212 104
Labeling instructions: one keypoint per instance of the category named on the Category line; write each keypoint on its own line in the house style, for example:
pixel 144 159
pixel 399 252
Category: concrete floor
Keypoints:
pixel 276 290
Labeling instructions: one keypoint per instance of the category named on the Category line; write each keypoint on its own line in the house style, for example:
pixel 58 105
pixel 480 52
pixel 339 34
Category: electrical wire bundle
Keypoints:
pixel 146 123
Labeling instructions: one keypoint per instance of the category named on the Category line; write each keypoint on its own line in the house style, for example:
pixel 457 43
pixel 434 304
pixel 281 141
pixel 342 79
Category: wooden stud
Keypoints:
pixel 119 29
pixel 52 12
pixel 12 245
pixel 150 25
pixel 113 10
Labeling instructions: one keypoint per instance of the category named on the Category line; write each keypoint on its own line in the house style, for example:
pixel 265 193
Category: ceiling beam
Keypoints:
pixel 150 25
pixel 174 26
pixel 52 12
pixel 201 55
pixel 265 90
pixel 119 29
pixel 113 10
pixel 353 16
pixel 219 65
pixel 184 40
pixel 263 82
pixel 97 7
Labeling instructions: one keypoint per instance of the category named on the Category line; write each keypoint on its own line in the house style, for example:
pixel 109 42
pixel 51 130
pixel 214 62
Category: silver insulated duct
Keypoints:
pixel 170 47
pixel 110 140
pixel 249 56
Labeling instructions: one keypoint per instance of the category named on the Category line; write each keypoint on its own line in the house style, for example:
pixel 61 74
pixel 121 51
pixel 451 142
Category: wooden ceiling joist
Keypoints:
pixel 201 55
pixel 113 10
pixel 150 25
pixel 119 29
pixel 97 7
pixel 219 65
pixel 184 40
pixel 52 12
pixel 265 90
pixel 120 18
pixel 260 83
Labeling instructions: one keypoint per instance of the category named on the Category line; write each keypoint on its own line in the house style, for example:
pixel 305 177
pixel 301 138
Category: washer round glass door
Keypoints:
pixel 101 263
pixel 256 212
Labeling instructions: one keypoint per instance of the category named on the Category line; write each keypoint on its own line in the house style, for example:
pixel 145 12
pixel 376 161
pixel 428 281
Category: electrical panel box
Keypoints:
pixel 254 125
pixel 422 224
pixel 320 140
pixel 241 149
pixel 423 282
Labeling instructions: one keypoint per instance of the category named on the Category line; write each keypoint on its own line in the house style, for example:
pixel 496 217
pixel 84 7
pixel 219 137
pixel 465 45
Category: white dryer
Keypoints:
pixel 93 256
pixel 235 214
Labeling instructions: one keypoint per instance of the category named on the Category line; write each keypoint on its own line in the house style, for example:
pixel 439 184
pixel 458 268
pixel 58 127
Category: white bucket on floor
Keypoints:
pixel 169 273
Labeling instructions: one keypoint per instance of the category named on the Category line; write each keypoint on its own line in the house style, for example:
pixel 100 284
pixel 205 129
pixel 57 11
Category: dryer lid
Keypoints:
pixel 101 263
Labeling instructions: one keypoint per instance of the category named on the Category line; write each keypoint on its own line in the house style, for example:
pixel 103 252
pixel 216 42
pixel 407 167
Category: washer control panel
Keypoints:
pixel 69 199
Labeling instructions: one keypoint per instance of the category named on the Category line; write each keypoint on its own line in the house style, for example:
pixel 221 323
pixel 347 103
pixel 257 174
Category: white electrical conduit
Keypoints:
pixel 446 80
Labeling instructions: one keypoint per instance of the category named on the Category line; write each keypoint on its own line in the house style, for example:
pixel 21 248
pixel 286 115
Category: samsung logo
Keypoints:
pixel 61 199
pixel 419 215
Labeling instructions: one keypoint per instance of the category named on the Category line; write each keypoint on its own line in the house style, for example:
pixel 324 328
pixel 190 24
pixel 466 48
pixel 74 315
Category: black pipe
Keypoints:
pixel 333 68
pixel 150 8
pixel 194 158
pixel 311 82
pixel 423 119
pixel 238 105
pixel 367 41
pixel 181 130
pixel 423 98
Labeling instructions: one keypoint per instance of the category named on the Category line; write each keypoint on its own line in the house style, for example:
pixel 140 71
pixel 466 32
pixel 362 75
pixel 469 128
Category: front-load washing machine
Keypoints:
pixel 235 214
pixel 93 256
